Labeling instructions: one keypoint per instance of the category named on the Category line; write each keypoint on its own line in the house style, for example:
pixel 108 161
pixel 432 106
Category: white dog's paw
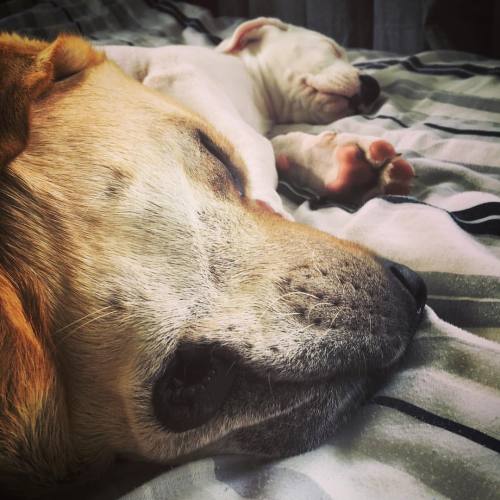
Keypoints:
pixel 342 167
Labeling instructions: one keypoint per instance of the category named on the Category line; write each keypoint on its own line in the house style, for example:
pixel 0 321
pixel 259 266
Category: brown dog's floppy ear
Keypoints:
pixel 33 429
pixel 248 32
pixel 28 68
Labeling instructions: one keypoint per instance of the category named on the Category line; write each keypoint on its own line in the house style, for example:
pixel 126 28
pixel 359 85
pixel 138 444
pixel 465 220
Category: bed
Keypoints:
pixel 433 430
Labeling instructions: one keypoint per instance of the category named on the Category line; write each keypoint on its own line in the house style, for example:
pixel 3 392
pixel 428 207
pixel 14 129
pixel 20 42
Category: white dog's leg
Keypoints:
pixel 344 167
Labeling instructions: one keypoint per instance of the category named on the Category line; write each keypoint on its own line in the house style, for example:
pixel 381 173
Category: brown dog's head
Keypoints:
pixel 148 309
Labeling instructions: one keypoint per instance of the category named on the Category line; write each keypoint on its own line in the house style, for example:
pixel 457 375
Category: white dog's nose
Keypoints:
pixel 370 89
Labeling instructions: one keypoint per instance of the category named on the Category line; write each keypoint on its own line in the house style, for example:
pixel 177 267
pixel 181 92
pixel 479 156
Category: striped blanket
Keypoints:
pixel 433 431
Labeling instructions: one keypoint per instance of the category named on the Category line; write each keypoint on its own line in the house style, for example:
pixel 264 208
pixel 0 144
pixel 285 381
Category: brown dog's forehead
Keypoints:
pixel 121 133
pixel 102 116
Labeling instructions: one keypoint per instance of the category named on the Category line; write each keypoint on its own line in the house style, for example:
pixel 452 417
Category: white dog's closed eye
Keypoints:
pixel 338 79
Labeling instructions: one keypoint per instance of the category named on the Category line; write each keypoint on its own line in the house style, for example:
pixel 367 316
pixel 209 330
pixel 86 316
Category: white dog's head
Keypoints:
pixel 306 75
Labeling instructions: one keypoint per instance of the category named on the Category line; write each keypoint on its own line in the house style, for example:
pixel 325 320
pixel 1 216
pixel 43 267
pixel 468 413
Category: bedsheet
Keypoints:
pixel 433 431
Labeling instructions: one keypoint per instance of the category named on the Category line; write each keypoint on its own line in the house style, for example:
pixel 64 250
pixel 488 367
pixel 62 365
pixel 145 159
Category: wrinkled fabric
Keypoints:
pixel 433 430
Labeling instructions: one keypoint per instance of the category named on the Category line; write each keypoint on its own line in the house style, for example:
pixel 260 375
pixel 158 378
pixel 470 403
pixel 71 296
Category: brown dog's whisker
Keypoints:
pixel 87 323
pixel 341 308
pixel 97 311
pixel 269 384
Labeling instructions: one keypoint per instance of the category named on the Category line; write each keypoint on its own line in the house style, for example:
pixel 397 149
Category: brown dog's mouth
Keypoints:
pixel 192 389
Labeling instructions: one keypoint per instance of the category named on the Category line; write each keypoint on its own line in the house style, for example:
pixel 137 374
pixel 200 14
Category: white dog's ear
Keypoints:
pixel 248 32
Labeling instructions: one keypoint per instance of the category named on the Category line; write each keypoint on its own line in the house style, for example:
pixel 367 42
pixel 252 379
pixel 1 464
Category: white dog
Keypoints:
pixel 270 72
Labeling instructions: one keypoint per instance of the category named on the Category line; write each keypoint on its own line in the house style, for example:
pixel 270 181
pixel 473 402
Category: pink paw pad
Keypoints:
pixel 381 151
pixel 355 175
pixel 402 170
pixel 359 178
pixel 343 167
pixel 399 177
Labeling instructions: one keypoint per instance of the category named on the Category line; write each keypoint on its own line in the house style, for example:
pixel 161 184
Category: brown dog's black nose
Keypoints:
pixel 411 281
pixel 370 89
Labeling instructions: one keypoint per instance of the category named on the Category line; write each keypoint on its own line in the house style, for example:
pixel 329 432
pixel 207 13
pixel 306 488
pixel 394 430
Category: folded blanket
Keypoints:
pixel 433 431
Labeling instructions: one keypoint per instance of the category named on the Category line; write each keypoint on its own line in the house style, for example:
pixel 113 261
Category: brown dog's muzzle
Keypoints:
pixel 198 380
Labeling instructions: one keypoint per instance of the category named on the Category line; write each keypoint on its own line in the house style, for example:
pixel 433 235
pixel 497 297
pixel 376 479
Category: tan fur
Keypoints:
pixel 33 432
pixel 34 437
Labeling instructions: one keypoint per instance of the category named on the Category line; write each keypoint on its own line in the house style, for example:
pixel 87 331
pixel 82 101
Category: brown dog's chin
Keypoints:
pixel 192 389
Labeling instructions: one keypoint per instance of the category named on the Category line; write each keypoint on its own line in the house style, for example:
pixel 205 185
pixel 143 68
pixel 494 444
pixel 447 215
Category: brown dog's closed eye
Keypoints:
pixel 236 173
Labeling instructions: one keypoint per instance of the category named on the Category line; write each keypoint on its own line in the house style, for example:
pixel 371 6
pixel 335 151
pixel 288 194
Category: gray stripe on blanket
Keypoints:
pixel 454 57
pixel 466 312
pixel 450 57
pixel 412 117
pixel 418 119
pixel 447 354
pixel 416 92
pixel 464 300
pixel 398 440
pixel 439 128
pixel 464 285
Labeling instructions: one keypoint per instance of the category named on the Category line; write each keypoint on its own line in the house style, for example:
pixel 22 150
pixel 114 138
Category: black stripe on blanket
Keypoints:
pixel 444 423
pixel 458 131
pixel 414 64
pixel 68 16
pixel 451 130
pixel 185 21
pixel 479 219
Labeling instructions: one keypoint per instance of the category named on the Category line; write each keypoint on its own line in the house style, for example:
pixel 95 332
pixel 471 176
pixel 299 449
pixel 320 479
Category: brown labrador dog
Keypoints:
pixel 148 308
